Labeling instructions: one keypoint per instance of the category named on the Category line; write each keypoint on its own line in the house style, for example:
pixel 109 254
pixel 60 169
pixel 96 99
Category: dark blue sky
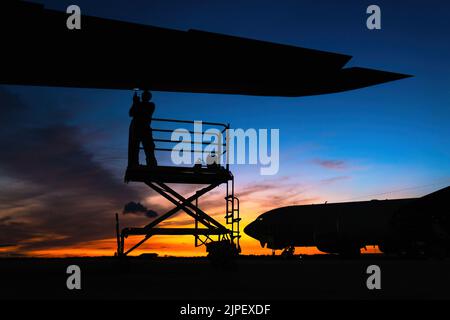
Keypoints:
pixel 387 137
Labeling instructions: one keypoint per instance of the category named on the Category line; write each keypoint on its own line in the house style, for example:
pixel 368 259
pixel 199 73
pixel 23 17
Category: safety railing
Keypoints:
pixel 221 132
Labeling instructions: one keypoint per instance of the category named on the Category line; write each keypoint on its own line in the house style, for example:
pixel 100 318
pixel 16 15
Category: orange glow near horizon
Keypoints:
pixel 162 245
pixel 181 246
pixel 177 246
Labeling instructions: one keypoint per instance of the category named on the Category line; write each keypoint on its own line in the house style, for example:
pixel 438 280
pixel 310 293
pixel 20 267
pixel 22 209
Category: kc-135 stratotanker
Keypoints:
pixel 404 227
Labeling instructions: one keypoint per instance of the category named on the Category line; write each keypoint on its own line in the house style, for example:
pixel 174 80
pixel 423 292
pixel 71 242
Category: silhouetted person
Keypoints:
pixel 140 130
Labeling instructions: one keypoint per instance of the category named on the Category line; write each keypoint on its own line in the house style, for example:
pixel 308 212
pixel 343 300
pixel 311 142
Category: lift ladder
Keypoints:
pixel 206 228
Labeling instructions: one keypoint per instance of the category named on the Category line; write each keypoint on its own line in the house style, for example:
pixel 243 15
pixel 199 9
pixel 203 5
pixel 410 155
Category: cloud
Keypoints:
pixel 334 179
pixel 62 195
pixel 274 193
pixel 138 208
pixel 331 164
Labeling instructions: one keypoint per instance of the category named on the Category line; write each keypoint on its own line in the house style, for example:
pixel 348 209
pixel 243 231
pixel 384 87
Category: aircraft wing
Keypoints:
pixel 114 54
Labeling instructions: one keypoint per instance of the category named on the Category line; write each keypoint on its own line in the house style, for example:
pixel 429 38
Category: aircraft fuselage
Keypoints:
pixel 393 225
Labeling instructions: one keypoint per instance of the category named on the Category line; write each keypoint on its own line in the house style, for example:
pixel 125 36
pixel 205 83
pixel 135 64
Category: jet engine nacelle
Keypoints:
pixel 333 242
pixel 327 241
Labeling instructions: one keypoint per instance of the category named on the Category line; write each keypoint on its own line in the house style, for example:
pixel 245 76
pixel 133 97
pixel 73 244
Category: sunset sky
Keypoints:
pixel 63 151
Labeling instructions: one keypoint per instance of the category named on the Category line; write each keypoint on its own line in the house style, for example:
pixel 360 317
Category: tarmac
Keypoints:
pixel 248 278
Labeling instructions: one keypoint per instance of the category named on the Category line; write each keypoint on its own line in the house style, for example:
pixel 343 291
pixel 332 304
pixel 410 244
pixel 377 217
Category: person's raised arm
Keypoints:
pixel 132 112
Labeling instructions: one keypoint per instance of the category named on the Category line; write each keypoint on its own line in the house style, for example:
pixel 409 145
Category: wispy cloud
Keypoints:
pixel 332 180
pixel 331 164
pixel 279 192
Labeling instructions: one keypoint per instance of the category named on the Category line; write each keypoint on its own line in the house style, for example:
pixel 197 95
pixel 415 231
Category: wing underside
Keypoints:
pixel 120 55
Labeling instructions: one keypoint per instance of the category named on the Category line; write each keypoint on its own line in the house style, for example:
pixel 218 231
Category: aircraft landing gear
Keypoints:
pixel 349 252
pixel 288 252
pixel 221 252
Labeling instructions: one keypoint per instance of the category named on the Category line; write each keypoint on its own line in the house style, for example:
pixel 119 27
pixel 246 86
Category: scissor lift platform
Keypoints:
pixel 185 175
pixel 212 176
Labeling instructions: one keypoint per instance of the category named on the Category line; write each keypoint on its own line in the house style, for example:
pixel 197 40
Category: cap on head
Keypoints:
pixel 146 95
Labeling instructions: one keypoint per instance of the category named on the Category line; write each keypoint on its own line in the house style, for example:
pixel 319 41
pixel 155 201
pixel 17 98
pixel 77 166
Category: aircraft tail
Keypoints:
pixel 437 196
pixel 436 203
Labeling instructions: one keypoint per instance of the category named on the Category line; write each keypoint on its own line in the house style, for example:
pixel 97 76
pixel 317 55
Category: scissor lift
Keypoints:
pixel 206 228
